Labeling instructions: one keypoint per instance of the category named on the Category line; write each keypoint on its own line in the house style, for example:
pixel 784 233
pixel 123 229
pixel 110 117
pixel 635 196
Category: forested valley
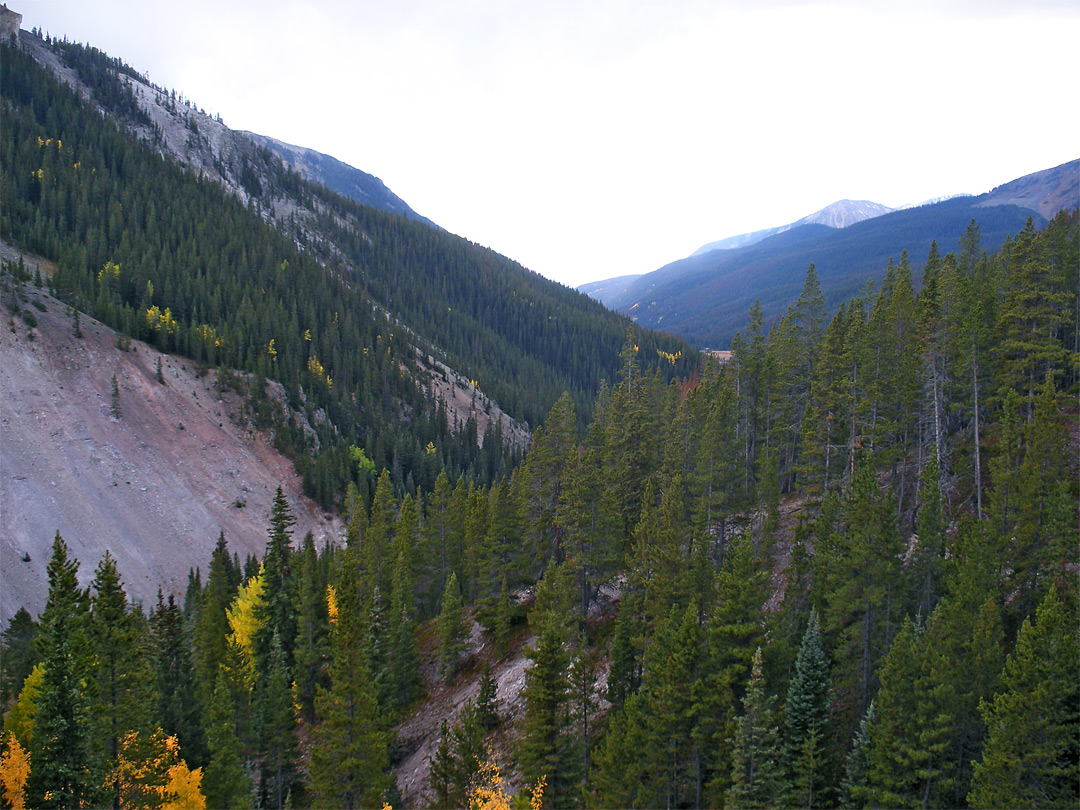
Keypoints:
pixel 837 568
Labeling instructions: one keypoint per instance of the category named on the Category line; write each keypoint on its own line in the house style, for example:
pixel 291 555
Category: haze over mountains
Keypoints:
pixel 705 297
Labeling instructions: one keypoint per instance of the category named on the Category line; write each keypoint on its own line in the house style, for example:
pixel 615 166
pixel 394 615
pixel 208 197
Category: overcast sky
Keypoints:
pixel 594 138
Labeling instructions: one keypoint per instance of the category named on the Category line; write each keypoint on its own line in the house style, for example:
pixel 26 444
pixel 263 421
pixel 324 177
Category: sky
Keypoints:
pixel 589 139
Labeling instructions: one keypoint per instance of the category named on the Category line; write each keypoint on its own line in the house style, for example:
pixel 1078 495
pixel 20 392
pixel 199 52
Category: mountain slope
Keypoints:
pixel 705 297
pixel 1045 192
pixel 154 487
pixel 337 176
pixel 215 249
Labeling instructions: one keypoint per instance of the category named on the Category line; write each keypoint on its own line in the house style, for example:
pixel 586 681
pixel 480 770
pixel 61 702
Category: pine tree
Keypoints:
pixel 452 630
pixel 226 783
pixel 754 776
pixel 1032 754
pixel 548 748
pixel 350 761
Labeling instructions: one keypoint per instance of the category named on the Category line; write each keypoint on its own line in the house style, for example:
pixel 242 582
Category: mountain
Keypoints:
pixel 705 297
pixel 154 487
pixel 838 215
pixel 337 176
pixel 1045 192
pixel 379 337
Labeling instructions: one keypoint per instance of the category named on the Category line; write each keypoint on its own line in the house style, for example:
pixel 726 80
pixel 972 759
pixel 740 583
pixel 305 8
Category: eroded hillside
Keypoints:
pixel 153 487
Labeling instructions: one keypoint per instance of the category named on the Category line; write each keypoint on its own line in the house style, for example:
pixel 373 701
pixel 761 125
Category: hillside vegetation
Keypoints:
pixel 839 571
pixel 209 247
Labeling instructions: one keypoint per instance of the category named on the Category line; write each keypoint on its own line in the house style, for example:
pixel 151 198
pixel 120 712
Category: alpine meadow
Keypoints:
pixel 567 561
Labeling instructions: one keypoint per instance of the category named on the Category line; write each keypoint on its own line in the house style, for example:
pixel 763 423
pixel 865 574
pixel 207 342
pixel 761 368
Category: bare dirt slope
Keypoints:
pixel 154 487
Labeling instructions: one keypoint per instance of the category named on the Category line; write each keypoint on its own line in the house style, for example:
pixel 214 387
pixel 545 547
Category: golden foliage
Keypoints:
pixel 14 771
pixel 270 350
pixel 184 789
pixel 161 321
pixel 488 793
pixel 150 773
pixel 20 720
pixel 671 358
pixel 209 335
pixel 244 622
pixel 331 604
pixel 110 271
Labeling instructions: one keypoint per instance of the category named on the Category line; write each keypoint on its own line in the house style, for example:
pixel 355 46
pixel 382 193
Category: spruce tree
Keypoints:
pixel 61 755
pixel 277 611
pixel 1032 754
pixel 548 748
pixel 179 704
pixel 276 721
pixel 806 755
pixel 124 679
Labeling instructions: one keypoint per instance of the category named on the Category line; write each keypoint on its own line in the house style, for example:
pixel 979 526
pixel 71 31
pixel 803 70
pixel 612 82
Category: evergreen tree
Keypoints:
pixel 548 747
pixel 350 762
pixel 806 757
pixel 452 630
pixel 855 787
pixel 1032 754
pixel 277 610
pixel 312 629
pixel 276 728
pixel 212 624
pixel 124 679
pixel 179 705
pixel 17 655
pixel 114 398
pixel 226 783
pixel 458 758
pixel 754 777
pixel 61 754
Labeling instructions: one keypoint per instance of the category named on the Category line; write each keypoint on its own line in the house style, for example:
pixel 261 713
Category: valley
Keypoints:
pixel 307 502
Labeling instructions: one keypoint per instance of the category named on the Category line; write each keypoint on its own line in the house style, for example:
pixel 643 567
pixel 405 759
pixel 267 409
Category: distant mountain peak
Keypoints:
pixel 839 214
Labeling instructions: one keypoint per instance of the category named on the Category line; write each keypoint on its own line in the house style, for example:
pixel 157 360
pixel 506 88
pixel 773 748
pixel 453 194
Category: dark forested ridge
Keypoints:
pixel 332 302
pixel 705 297
pixel 838 571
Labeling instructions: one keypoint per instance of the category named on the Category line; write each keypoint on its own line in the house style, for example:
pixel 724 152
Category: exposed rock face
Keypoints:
pixel 154 487
pixel 10 23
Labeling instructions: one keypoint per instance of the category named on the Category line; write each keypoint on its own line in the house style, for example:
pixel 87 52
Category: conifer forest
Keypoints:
pixel 838 568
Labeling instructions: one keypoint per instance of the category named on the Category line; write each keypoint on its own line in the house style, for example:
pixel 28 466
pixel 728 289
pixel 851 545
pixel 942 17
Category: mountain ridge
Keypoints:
pixel 839 214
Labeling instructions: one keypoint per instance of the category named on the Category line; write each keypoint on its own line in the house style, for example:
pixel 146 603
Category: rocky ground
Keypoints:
pixel 154 487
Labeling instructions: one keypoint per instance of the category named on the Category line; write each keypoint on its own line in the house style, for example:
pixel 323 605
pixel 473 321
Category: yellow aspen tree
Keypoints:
pixel 14 771
pixel 244 622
